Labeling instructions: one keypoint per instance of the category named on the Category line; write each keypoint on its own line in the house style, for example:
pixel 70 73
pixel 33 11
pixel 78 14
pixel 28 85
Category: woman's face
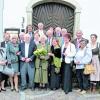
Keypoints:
pixel 66 40
pixel 42 40
pixel 14 39
pixel 82 44
pixel 93 38
pixel 54 42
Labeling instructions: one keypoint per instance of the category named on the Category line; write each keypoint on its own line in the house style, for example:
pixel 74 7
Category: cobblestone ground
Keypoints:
pixel 47 95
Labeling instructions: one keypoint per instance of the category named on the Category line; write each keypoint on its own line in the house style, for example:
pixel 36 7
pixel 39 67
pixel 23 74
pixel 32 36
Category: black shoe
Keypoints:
pixel 17 91
pixel 66 92
pixel 3 89
pixel 12 89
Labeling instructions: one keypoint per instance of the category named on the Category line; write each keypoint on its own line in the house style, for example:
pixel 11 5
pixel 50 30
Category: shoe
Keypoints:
pixel 83 92
pixel 66 92
pixel 79 90
pixel 17 90
pixel 12 89
pixel 3 89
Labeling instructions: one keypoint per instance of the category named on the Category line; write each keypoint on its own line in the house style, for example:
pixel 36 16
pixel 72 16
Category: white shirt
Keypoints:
pixel 70 51
pixel 41 33
pixel 26 49
pixel 79 56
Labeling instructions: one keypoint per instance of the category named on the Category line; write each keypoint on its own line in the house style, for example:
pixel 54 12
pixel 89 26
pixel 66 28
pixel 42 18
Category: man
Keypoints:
pixel 79 37
pixel 27 59
pixel 21 37
pixel 40 29
pixel 49 34
pixel 6 40
pixel 63 32
pixel 29 30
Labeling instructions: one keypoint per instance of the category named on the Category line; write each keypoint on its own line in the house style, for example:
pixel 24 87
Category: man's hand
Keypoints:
pixel 28 60
pixel 23 58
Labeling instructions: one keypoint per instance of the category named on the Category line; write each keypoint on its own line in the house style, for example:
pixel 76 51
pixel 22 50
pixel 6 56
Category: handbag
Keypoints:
pixel 8 70
pixel 89 69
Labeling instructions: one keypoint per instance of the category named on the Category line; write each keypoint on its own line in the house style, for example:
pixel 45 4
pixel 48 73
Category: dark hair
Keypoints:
pixel 94 35
pixel 68 36
pixel 27 27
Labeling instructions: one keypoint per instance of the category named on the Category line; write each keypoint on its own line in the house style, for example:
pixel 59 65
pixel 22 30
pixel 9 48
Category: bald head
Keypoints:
pixel 63 31
pixel 40 26
pixel 49 33
pixel 27 38
pixel 58 29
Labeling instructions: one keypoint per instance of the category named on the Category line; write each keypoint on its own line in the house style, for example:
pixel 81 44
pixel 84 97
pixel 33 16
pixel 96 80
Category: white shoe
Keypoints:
pixel 83 92
pixel 79 90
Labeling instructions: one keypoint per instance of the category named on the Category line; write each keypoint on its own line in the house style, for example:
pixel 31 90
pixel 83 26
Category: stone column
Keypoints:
pixel 29 16
pixel 1 19
pixel 76 22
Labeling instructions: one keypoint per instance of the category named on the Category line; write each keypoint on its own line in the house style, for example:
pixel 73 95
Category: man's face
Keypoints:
pixel 7 37
pixel 29 28
pixel 27 38
pixel 79 35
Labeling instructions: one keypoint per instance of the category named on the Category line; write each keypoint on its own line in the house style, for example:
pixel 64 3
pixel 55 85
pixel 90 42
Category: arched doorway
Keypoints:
pixel 73 13
pixel 53 14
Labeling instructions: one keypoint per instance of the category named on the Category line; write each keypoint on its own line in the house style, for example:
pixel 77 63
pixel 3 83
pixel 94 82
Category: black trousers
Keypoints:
pixel 54 78
pixel 67 79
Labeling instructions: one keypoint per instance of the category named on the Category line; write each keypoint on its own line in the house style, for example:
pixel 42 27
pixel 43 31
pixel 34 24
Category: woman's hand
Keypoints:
pixel 50 54
pixel 65 54
pixel 3 62
pixel 18 53
pixel 77 62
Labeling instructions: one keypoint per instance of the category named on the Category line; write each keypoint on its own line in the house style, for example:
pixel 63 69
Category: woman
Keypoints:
pixel 41 64
pixel 82 57
pixel 55 67
pixel 95 46
pixel 68 52
pixel 12 56
pixel 3 62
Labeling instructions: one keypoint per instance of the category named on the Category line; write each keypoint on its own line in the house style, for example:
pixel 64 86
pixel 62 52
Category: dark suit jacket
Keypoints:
pixel 32 48
pixel 3 44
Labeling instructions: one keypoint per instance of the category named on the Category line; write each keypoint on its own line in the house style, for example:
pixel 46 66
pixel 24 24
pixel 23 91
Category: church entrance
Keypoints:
pixel 52 15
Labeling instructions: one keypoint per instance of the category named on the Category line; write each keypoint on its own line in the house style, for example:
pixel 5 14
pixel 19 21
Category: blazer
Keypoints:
pixel 3 44
pixel 32 48
pixel 70 51
pixel 83 58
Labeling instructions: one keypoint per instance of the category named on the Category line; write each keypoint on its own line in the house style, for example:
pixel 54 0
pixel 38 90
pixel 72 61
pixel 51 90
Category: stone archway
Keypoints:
pixel 72 3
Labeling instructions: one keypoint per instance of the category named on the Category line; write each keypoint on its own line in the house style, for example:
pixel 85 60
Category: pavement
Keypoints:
pixel 47 95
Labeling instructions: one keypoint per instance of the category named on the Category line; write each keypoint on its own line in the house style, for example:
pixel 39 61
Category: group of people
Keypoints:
pixel 45 59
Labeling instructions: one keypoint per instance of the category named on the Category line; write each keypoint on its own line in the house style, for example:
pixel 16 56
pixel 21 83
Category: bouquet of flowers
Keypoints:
pixel 40 52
